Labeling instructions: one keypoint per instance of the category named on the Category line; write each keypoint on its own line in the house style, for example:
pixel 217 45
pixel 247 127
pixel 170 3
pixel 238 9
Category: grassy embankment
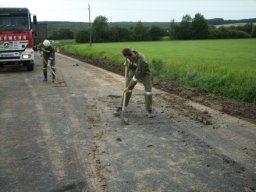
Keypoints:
pixel 223 67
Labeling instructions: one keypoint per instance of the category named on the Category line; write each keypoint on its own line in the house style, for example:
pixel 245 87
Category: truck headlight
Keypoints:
pixel 26 56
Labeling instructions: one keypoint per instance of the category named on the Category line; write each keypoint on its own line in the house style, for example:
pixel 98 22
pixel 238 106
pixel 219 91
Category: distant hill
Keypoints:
pixel 77 26
pixel 56 25
pixel 220 21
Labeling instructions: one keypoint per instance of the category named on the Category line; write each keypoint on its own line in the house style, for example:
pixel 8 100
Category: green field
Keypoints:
pixel 223 67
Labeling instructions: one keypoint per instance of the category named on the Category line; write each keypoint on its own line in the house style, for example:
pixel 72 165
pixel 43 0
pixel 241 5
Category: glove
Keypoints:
pixel 49 63
pixel 126 90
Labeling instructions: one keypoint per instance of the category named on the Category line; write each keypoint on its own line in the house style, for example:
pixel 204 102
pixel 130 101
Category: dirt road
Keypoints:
pixel 58 137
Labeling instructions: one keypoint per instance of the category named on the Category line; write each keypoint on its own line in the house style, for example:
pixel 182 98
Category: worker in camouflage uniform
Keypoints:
pixel 48 55
pixel 138 72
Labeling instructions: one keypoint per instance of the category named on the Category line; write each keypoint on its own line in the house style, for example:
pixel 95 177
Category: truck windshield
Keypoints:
pixel 20 22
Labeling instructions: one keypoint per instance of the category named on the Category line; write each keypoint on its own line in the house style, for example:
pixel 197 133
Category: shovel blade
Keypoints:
pixel 125 121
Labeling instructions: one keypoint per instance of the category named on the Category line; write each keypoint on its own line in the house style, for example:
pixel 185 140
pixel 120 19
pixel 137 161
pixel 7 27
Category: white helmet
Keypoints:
pixel 46 43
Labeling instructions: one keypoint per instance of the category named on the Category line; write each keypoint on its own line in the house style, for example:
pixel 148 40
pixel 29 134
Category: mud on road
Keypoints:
pixel 63 137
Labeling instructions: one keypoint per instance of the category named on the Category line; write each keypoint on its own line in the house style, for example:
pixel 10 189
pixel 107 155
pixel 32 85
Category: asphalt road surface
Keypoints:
pixel 63 136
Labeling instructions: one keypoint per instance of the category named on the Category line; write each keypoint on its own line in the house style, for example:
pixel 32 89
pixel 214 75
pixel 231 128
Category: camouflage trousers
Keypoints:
pixel 52 69
pixel 146 81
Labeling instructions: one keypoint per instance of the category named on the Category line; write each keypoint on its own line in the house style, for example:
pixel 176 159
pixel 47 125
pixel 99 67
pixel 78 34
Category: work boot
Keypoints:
pixel 118 112
pixel 150 114
pixel 53 75
pixel 45 76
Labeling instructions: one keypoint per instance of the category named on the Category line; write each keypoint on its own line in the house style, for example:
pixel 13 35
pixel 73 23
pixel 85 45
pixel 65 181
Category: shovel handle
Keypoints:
pixel 125 84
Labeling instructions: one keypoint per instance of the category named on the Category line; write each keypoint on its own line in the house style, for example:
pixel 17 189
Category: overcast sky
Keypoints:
pixel 135 10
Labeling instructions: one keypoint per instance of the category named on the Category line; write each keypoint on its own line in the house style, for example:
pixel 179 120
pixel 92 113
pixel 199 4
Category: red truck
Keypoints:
pixel 16 38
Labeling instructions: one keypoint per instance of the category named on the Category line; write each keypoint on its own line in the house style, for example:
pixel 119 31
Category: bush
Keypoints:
pixel 225 33
pixel 253 31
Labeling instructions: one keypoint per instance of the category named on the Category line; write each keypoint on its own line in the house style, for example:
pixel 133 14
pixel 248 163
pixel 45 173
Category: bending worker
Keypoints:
pixel 48 55
pixel 138 72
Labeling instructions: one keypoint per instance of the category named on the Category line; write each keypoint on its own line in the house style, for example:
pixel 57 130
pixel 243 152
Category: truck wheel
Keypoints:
pixel 30 66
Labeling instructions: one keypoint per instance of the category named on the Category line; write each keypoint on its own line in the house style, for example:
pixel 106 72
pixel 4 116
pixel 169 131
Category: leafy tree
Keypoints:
pixel 173 30
pixel 54 35
pixel 66 33
pixel 62 33
pixel 100 29
pixel 114 33
pixel 119 34
pixel 184 30
pixel 83 36
pixel 200 27
pixel 140 32
pixel 156 33
pixel 124 34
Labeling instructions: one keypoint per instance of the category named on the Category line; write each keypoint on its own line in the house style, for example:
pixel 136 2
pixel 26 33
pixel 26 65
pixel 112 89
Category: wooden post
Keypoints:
pixel 90 28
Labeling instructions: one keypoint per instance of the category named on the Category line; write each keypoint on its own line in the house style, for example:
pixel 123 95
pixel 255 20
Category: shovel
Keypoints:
pixel 59 82
pixel 124 120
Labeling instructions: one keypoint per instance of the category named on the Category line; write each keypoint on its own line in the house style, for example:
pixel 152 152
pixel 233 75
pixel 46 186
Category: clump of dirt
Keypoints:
pixel 226 105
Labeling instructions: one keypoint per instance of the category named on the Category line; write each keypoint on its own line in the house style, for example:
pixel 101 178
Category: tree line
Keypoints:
pixel 188 29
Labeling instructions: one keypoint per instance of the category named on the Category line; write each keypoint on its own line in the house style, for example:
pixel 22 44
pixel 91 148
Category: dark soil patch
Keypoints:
pixel 226 105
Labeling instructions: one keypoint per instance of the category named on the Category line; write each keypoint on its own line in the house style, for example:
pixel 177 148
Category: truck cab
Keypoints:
pixel 16 39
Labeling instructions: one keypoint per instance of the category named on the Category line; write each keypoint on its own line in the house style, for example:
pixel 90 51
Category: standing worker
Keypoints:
pixel 138 72
pixel 48 55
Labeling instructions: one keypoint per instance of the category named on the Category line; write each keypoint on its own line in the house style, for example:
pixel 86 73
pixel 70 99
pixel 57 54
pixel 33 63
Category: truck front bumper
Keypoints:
pixel 17 56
